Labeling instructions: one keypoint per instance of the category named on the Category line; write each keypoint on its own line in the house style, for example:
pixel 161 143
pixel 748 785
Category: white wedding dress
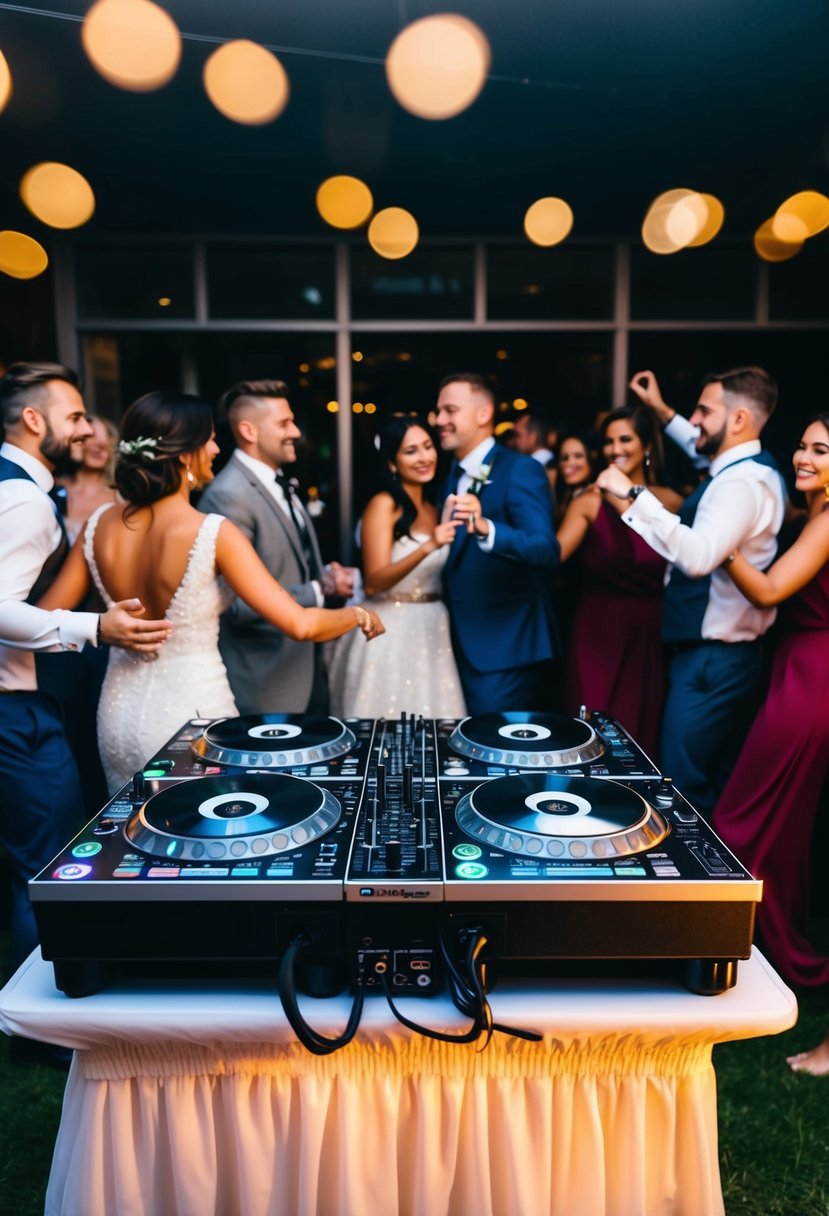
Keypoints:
pixel 410 668
pixel 143 703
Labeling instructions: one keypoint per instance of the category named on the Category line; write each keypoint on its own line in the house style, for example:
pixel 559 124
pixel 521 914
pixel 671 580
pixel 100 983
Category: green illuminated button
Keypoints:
pixel 155 772
pixel 471 869
pixel 89 849
pixel 466 852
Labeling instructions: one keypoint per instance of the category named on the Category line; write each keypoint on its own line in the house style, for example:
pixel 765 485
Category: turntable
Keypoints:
pixel 489 745
pixel 305 745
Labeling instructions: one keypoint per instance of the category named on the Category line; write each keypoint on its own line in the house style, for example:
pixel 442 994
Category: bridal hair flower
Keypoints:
pixel 138 449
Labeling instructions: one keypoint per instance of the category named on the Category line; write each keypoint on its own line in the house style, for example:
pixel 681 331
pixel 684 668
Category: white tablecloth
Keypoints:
pixel 193 1100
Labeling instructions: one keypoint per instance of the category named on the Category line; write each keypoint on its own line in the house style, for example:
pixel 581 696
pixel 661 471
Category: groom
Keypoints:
pixel 496 574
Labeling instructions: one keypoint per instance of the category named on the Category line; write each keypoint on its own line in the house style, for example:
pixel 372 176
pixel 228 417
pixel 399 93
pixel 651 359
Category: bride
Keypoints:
pixel 404 548
pixel 185 566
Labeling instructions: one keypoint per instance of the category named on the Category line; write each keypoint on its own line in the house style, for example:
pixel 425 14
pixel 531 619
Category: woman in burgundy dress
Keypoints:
pixel 767 810
pixel 615 654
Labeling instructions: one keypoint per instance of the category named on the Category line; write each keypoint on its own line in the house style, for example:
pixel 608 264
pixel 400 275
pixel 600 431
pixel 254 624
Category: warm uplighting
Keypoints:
pixel 344 202
pixel 333 407
pixel 21 256
pixel 437 66
pixel 770 249
pixel 133 43
pixel 393 233
pixel 713 222
pixel 681 218
pixel 246 83
pixel 801 216
pixel 548 221
pixel 58 195
pixel 5 81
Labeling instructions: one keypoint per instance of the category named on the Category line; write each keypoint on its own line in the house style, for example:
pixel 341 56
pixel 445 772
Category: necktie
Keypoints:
pixel 297 515
pixel 455 476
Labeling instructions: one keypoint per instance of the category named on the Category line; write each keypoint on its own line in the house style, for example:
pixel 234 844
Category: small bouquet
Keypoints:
pixel 480 478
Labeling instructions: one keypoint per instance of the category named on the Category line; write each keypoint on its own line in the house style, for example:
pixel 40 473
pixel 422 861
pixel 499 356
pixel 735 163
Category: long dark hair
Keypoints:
pixel 169 424
pixel 389 442
pixel 642 421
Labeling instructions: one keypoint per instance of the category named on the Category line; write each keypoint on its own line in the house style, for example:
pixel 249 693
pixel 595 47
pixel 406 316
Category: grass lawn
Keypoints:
pixel 774 1126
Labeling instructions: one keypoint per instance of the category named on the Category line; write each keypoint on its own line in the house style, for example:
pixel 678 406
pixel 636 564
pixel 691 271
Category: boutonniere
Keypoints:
pixel 480 478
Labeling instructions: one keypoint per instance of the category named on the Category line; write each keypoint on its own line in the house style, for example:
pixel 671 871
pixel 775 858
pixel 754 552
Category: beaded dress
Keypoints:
pixel 144 703
pixel 410 668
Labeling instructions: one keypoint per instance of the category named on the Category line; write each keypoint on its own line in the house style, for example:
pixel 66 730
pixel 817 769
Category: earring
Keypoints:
pixel 190 478
pixel 826 491
pixel 647 460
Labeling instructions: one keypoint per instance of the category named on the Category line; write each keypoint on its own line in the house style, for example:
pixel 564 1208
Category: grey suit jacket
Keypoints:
pixel 268 672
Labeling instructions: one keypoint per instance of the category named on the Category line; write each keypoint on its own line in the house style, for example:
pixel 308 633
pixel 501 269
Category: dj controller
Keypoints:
pixel 384 847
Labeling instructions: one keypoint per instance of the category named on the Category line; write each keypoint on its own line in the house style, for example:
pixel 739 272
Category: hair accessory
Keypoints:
pixel 138 449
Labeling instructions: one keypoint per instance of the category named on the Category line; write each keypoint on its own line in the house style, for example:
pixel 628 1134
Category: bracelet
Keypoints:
pixel 98 630
pixel 729 559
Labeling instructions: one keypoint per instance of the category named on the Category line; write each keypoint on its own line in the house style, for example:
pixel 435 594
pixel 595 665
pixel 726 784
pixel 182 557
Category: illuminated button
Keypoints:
pixel 471 869
pixel 154 772
pixel 197 850
pixel 126 872
pixel 244 872
pixel 238 848
pixel 216 850
pixel 631 872
pixel 280 841
pixel 88 849
pixel 578 848
pixel 534 845
pixel 163 872
pixel 466 852
pixel 555 848
pixel 70 872
pixel 300 834
pixel 259 845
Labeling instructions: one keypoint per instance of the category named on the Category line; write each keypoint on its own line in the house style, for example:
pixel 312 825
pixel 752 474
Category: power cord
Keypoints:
pixel 317 1043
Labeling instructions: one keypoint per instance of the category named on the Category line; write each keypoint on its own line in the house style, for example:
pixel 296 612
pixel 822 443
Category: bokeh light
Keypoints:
pixel 21 256
pixel 57 194
pixel 246 83
pixel 132 43
pixel 800 217
pixel 678 219
pixel 713 223
pixel 437 66
pixel 5 81
pixel 344 202
pixel 393 233
pixel 770 249
pixel 548 221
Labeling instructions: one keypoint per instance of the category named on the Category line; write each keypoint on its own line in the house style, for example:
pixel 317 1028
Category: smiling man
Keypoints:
pixel 496 574
pixel 711 630
pixel 268 671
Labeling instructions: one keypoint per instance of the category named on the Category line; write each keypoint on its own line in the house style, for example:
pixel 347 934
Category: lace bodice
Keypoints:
pixel 199 598
pixel 144 703
pixel 425 579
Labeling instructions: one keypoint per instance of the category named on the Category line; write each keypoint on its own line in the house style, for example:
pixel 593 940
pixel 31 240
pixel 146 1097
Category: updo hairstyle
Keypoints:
pixel 174 423
pixel 389 442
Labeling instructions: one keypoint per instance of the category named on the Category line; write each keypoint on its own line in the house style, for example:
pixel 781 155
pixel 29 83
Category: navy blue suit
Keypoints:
pixel 499 603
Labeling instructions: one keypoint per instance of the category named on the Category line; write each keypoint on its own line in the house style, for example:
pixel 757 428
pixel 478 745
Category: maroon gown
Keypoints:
pixel 615 654
pixel 767 810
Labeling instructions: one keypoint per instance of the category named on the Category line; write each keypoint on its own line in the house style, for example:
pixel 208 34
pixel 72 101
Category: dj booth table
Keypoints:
pixel 194 1099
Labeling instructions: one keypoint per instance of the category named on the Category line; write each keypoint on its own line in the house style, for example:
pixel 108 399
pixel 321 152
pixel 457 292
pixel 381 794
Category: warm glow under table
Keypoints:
pixel 195 1099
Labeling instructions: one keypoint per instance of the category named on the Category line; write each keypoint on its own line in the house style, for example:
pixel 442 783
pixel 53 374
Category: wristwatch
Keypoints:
pixel 634 492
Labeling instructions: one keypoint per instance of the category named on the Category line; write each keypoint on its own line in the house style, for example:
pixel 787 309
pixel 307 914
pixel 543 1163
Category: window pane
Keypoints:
pixel 797 289
pixel 707 284
pixel 568 283
pixel 148 283
pixel 429 284
pixel 262 283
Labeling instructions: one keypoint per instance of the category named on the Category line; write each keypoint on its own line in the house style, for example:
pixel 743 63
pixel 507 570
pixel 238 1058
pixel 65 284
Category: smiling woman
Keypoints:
pixel 767 810
pixel 615 653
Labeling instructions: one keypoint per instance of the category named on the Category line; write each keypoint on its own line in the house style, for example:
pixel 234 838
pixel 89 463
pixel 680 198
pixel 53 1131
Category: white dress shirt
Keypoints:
pixel 29 534
pixel 680 431
pixel 741 509
pixel 267 475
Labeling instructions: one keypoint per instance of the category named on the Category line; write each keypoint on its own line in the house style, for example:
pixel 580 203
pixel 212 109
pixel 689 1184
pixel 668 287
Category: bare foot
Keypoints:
pixel 815 1061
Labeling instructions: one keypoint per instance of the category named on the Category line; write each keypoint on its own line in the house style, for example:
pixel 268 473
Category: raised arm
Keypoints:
pixel 241 567
pixel 797 567
pixel 380 573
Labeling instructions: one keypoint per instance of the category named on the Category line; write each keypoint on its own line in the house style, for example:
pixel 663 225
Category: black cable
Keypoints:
pixel 315 1042
pixel 467 990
